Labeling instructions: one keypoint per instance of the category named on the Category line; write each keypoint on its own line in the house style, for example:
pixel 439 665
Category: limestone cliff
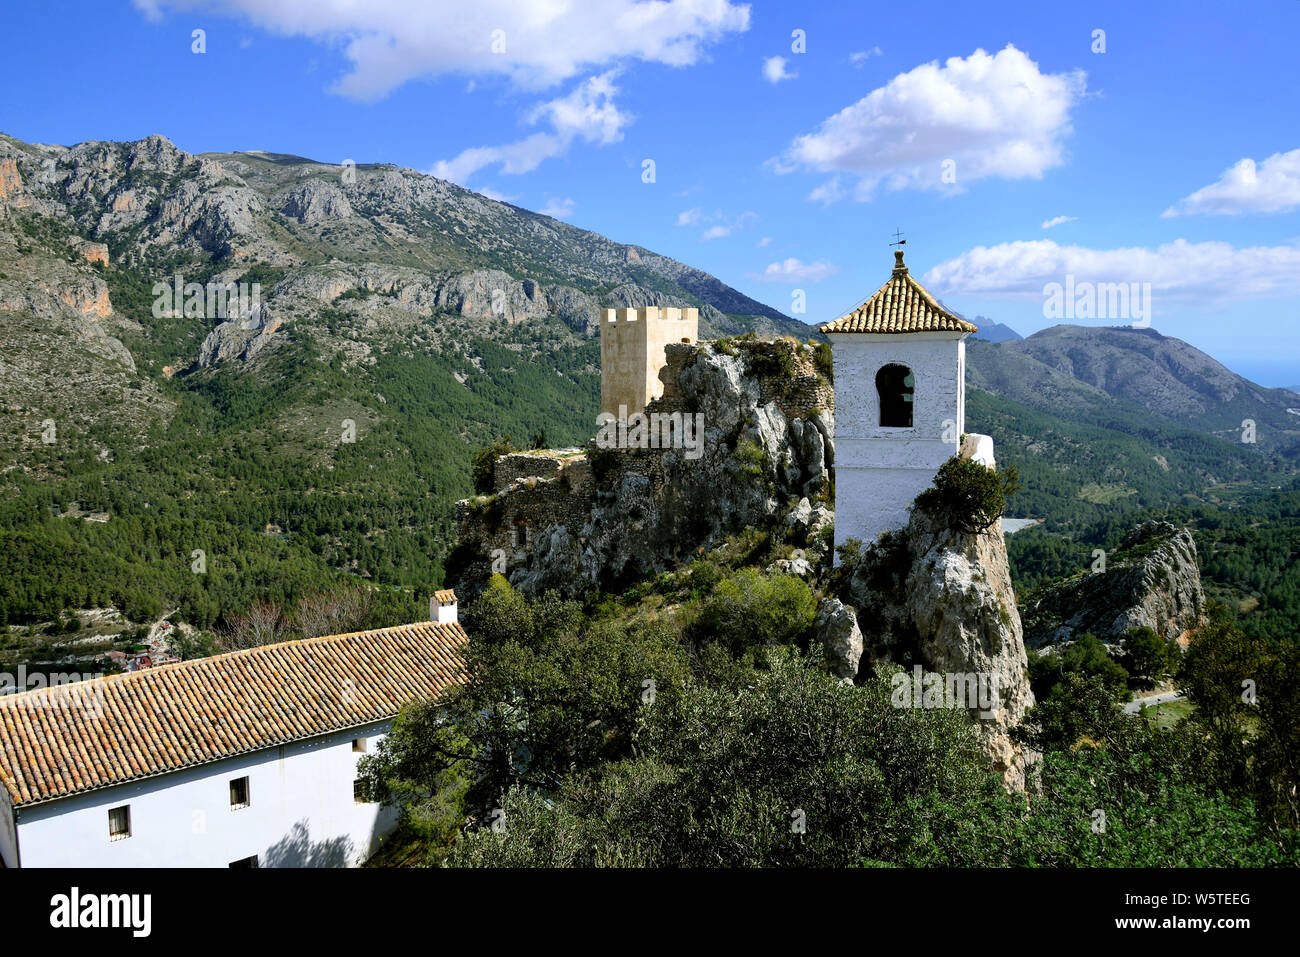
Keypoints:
pixel 942 599
pixel 1152 580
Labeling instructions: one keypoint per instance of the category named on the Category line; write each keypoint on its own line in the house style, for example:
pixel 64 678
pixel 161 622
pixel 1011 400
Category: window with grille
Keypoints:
pixel 119 822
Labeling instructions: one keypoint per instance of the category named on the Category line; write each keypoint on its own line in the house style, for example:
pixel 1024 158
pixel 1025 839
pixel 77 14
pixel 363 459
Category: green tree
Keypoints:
pixel 968 496
pixel 1085 656
pixel 1148 656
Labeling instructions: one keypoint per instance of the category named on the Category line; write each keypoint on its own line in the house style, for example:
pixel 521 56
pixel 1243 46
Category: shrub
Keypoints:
pixel 967 495
pixel 750 609
pixel 752 458
pixel 1086 657
pixel 823 360
pixel 483 466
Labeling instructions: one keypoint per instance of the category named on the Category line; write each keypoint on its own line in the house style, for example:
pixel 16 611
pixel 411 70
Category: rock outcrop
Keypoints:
pixel 315 202
pixel 1152 580
pixel 837 627
pixel 942 599
pixel 11 181
pixel 243 338
pixel 575 520
pixel 607 517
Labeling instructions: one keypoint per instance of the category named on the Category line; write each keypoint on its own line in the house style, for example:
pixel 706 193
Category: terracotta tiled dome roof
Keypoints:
pixel 900 305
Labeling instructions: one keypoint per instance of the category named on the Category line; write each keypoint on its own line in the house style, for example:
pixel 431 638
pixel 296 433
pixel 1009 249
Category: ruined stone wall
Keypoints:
pixel 542 463
pixel 534 492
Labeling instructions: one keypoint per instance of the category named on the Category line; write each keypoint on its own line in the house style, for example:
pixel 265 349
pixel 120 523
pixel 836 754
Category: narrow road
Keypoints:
pixel 1137 704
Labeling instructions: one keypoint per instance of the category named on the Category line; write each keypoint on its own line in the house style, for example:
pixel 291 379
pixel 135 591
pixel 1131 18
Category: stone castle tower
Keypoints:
pixel 632 353
pixel 900 403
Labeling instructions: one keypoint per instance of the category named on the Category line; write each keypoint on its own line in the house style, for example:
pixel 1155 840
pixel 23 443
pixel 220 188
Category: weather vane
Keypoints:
pixel 898 239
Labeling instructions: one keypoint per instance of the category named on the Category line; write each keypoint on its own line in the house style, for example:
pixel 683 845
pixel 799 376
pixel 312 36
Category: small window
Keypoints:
pixel 359 745
pixel 119 822
pixel 359 793
pixel 894 385
pixel 244 862
pixel 238 793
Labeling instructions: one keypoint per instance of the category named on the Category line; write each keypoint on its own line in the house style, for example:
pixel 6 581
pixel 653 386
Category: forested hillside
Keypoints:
pixel 169 461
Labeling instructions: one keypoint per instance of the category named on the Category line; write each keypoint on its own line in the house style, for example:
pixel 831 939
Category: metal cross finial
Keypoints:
pixel 898 239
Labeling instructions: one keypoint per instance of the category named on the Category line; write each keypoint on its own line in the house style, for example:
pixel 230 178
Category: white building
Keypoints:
pixel 900 403
pixel 243 759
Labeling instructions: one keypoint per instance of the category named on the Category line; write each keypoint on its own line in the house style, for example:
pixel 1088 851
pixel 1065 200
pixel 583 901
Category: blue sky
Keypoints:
pixel 1171 158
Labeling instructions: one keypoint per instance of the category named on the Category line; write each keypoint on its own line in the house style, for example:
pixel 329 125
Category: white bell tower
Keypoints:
pixel 900 404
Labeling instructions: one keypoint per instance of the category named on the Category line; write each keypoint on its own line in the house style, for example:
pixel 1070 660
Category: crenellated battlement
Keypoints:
pixel 632 343
pixel 689 316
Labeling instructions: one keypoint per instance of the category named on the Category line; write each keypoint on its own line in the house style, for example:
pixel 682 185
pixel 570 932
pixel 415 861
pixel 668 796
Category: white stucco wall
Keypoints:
pixel 301 814
pixel 879 471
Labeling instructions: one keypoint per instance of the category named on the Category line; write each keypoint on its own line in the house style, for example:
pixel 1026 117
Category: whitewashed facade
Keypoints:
pixel 301 812
pixel 246 759
pixel 879 470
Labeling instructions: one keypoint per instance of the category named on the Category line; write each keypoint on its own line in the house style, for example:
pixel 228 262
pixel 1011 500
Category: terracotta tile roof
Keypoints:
pixel 136 725
pixel 444 595
pixel 900 305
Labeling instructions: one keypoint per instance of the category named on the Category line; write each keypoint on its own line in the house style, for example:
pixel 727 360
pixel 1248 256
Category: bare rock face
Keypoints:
pixel 11 181
pixel 238 338
pixel 315 202
pixel 942 599
pixel 837 627
pixel 1152 580
pixel 491 293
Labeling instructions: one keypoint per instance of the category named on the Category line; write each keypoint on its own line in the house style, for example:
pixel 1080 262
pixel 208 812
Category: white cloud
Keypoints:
pixel 1180 271
pixel 862 56
pixel 720 224
pixel 522 156
pixel 493 194
pixel 587 113
pixel 992 115
pixel 774 70
pixel 828 192
pixel 1269 187
pixel 558 208
pixel 792 270
pixel 763 243
pixel 1058 221
pixel 537 44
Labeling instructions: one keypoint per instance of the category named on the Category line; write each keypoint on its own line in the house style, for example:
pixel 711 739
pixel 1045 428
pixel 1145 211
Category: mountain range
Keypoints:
pixel 991 331
pixel 400 322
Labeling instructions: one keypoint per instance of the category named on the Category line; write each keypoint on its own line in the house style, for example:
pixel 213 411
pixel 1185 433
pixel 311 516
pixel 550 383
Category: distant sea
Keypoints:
pixel 1274 373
